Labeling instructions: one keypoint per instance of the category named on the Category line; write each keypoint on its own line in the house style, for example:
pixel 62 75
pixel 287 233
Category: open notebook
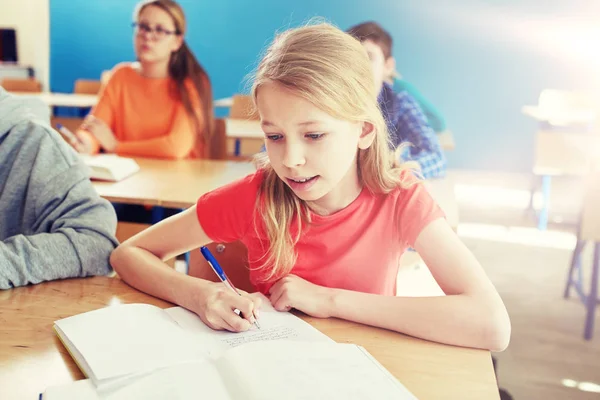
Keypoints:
pixel 110 167
pixel 259 371
pixel 142 351
pixel 114 345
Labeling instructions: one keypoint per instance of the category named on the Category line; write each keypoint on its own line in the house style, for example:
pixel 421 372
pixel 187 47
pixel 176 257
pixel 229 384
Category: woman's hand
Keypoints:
pixel 101 132
pixel 292 291
pixel 216 305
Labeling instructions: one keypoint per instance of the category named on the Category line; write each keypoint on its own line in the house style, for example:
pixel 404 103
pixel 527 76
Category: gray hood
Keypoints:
pixel 16 109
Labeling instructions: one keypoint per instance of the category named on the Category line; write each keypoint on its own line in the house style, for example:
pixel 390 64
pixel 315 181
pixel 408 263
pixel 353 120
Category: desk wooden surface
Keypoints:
pixel 179 184
pixel 176 184
pixel 32 358
pixel 87 100
pixel 250 129
pixel 224 102
pixel 64 99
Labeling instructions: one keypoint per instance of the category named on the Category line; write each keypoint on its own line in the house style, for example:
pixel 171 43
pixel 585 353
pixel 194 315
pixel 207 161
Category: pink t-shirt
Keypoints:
pixel 357 248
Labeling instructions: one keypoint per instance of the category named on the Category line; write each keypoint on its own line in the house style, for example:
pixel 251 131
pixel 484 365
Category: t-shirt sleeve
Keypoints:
pixel 415 210
pixel 107 104
pixel 227 213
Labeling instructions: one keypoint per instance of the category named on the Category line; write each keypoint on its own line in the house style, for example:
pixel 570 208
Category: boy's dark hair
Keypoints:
pixel 374 32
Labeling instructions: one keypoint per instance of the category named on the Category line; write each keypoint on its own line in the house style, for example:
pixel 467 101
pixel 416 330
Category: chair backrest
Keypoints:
pixel 218 142
pixel 21 85
pixel 84 86
pixel 233 257
pixel 590 215
pixel 242 107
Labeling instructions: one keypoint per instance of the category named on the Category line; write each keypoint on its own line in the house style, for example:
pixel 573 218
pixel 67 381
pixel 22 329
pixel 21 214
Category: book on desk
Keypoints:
pixel 142 351
pixel 110 167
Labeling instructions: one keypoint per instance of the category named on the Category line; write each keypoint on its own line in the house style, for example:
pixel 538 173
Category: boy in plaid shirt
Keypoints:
pixel 405 119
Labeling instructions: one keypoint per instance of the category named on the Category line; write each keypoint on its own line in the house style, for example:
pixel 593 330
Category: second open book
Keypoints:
pixel 141 351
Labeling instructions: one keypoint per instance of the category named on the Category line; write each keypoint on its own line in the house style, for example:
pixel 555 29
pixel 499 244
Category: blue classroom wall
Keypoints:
pixel 477 61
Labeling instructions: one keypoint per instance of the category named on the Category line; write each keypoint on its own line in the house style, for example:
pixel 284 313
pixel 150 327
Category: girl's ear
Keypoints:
pixel 367 135
pixel 177 43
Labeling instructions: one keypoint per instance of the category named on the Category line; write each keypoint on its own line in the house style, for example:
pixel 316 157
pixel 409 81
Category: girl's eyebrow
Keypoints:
pixel 305 123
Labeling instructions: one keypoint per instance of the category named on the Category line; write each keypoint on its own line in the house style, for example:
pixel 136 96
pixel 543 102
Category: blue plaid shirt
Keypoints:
pixel 407 123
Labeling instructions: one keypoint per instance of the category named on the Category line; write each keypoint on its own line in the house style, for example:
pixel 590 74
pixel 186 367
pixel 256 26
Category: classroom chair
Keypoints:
pixel 242 107
pixel 86 86
pixel 233 257
pixel 589 231
pixel 21 85
pixel 560 143
pixel 218 141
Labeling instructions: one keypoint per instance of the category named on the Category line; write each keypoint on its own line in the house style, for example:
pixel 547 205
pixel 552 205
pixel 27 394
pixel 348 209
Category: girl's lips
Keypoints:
pixel 302 186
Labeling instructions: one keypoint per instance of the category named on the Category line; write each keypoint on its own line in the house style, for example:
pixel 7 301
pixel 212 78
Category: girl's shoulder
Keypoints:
pixel 123 71
pixel 240 189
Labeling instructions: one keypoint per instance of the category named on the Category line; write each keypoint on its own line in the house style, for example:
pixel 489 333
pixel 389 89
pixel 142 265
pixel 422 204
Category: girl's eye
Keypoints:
pixel 315 136
pixel 274 137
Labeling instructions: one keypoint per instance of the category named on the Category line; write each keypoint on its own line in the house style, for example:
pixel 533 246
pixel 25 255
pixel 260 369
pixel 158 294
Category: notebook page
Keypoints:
pixel 304 371
pixel 187 381
pixel 130 338
pixel 274 325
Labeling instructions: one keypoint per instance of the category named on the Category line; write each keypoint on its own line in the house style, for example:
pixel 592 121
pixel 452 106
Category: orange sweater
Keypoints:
pixel 145 118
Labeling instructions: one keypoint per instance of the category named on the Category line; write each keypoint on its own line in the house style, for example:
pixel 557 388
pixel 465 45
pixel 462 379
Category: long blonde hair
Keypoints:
pixel 331 70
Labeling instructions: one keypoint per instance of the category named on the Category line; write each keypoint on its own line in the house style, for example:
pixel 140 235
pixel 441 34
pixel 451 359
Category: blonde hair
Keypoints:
pixel 330 69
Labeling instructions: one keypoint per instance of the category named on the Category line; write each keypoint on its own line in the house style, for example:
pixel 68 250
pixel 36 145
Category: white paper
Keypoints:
pixel 274 325
pixel 131 338
pixel 306 371
pixel 188 381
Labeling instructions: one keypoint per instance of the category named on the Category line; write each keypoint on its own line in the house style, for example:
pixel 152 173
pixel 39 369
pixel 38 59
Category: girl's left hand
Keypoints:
pixel 102 132
pixel 292 291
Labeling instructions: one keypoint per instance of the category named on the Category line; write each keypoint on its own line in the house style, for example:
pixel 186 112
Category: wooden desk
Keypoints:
pixel 560 117
pixel 250 129
pixel 224 102
pixel 176 184
pixel 32 358
pixel 64 99
pixel 88 100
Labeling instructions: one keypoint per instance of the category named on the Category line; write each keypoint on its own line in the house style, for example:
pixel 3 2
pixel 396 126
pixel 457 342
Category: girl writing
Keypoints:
pixel 326 216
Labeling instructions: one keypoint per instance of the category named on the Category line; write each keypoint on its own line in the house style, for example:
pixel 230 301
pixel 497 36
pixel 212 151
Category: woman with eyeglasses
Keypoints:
pixel 160 106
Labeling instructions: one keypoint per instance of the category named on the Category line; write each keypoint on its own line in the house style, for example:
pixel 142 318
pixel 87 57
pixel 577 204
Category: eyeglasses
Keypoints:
pixel 157 33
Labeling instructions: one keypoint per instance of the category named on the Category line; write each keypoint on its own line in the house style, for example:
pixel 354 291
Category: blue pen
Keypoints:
pixel 214 264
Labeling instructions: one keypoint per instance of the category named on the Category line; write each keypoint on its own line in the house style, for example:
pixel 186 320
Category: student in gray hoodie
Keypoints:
pixel 53 224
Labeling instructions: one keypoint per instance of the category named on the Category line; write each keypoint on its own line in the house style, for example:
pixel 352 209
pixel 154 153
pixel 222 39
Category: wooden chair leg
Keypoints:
pixel 592 298
pixel 575 262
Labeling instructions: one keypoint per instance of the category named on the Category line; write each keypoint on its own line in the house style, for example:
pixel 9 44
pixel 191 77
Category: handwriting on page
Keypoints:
pixel 255 335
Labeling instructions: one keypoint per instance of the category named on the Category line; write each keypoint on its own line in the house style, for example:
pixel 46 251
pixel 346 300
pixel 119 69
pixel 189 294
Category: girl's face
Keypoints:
pixel 312 152
pixel 155 36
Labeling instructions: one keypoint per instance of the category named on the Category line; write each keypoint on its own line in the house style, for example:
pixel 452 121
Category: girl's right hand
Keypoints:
pixel 217 304
pixel 85 144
